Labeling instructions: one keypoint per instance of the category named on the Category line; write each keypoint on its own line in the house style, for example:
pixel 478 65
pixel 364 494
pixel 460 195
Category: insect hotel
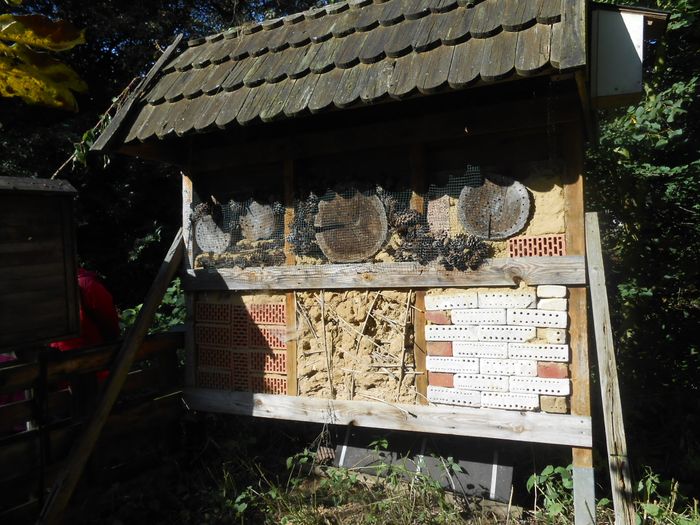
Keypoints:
pixel 383 214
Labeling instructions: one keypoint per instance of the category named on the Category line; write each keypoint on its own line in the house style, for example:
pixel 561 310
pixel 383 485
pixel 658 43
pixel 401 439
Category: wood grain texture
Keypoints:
pixel 574 37
pixel 616 441
pixel 495 272
pixel 532 49
pixel 290 299
pixel 478 422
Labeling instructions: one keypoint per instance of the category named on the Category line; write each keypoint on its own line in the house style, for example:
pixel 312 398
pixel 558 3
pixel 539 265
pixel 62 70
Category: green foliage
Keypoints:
pixel 553 489
pixel 170 313
pixel 660 502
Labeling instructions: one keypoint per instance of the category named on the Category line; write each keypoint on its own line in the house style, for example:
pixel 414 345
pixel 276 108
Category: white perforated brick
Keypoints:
pixel 448 302
pixel 464 365
pixel 552 335
pixel 452 396
pixel 539 318
pixel 510 401
pixel 479 349
pixel 479 316
pixel 540 352
pixel 551 290
pixel 448 332
pixel 481 382
pixel 539 385
pixel 507 299
pixel 518 334
pixel 508 367
pixel 559 304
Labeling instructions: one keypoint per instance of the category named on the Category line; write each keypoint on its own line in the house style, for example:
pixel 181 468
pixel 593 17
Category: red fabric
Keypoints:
pixel 99 321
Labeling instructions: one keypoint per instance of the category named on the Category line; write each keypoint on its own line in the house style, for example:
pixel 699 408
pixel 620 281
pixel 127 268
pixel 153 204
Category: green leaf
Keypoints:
pixel 652 509
pixel 40 32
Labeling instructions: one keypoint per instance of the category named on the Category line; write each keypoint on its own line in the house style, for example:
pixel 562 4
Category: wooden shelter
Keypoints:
pixel 383 216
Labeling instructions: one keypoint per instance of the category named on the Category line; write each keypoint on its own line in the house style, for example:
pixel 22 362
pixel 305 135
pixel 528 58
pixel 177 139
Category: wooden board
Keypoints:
pixel 350 229
pixel 494 272
pixel 478 422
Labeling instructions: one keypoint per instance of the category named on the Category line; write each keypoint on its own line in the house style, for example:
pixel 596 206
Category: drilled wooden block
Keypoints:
pixel 449 302
pixel 269 385
pixel 538 318
pixel 438 332
pixel 479 349
pixel 443 348
pixel 554 404
pixel 518 334
pixel 441 379
pixel 437 317
pixel 558 304
pixel 218 379
pixel 240 326
pixel 552 335
pixel 537 246
pixel 268 337
pixel 451 364
pixel 507 299
pixel 212 313
pixel 481 382
pixel 268 313
pixel 212 356
pixel 540 385
pixel 551 290
pixel 268 362
pixel 510 401
pixel 479 316
pixel 452 396
pixel 212 335
pixel 540 352
pixel 508 367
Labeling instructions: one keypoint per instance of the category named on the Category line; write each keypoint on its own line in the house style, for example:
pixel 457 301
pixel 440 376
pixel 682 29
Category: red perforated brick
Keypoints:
pixel 268 337
pixel 268 313
pixel 213 335
pixel 552 370
pixel 442 348
pixel 540 246
pixel 241 371
pixel 268 362
pixel 214 357
pixel 441 379
pixel 213 313
pixel 220 380
pixel 240 326
pixel 437 317
pixel 269 384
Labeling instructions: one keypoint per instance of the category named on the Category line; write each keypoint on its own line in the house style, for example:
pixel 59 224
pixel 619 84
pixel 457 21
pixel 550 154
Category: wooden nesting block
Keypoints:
pixel 449 302
pixel 507 299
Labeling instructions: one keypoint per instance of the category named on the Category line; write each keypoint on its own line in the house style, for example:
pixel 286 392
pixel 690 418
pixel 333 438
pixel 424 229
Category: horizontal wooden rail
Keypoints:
pixel 494 272
pixel 556 429
pixel 60 364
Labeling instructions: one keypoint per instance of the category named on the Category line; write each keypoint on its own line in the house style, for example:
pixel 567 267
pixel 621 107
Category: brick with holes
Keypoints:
pixel 538 318
pixel 212 335
pixel 452 396
pixel 214 357
pixel 537 246
pixel 213 312
pixel 517 334
pixel 268 313
pixel 437 317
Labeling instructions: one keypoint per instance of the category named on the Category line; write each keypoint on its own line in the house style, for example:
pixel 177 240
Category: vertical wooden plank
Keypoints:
pixel 70 262
pixel 291 310
pixel 189 200
pixel 582 458
pixel 418 185
pixel 620 479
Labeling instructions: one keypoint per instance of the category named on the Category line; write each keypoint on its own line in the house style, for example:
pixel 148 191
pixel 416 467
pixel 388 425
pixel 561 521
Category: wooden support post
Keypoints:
pixel 620 479
pixel 417 163
pixel 582 458
pixel 291 308
pixel 189 200
pixel 80 452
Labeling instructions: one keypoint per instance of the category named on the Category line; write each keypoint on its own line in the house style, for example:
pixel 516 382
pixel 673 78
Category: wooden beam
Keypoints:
pixel 81 450
pixel 620 479
pixel 494 272
pixel 290 297
pixel 539 427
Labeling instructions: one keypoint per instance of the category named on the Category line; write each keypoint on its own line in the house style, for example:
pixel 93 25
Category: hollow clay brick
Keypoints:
pixel 441 348
pixel 437 317
pixel 441 379
pixel 552 370
pixel 554 404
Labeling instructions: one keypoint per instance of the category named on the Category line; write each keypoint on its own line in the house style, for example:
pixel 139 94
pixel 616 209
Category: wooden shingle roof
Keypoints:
pixel 354 53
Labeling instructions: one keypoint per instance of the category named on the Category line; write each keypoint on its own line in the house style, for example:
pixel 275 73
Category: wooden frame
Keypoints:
pixel 539 427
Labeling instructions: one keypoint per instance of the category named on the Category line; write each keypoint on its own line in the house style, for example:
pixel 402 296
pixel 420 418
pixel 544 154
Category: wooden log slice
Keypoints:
pixel 209 237
pixel 350 229
pixel 258 222
pixel 495 209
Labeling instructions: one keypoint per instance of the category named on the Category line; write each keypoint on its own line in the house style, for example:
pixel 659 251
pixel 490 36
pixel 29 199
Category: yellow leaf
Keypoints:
pixel 24 81
pixel 40 31
pixel 48 66
pixel 14 2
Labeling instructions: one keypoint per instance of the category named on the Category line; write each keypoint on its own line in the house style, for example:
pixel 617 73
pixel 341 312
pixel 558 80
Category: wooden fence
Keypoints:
pixel 60 389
